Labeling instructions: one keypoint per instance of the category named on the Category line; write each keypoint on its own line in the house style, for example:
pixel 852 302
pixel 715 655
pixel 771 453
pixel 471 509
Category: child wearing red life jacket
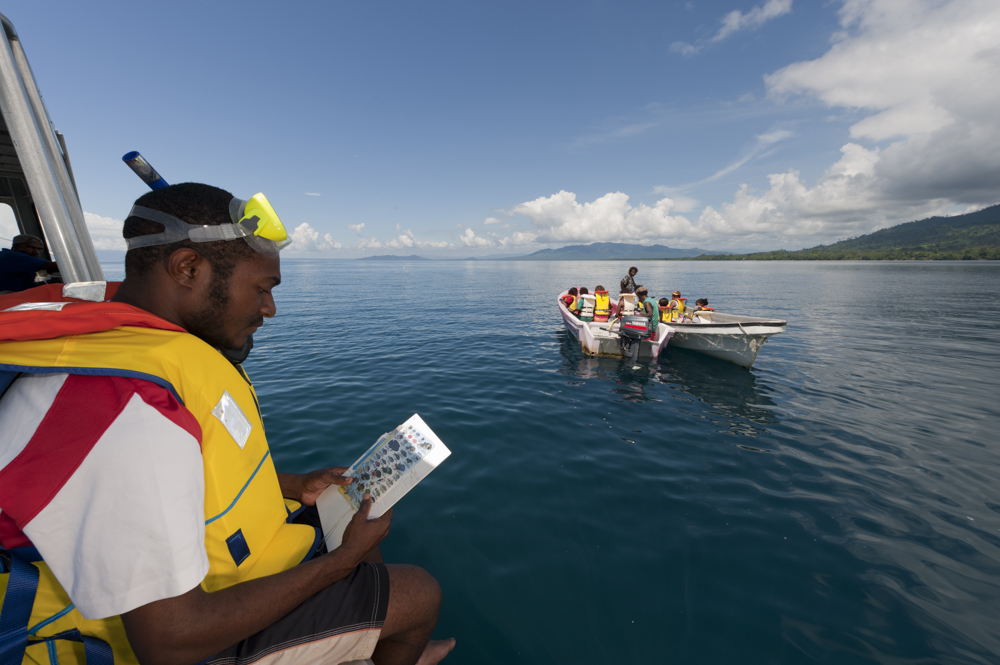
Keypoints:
pixel 570 299
pixel 702 305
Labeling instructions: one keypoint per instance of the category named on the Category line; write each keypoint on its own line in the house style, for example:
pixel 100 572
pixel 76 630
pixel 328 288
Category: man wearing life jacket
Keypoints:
pixel 602 304
pixel 649 308
pixel 141 515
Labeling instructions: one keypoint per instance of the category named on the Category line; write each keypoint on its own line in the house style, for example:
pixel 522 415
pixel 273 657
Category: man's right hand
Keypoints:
pixel 362 535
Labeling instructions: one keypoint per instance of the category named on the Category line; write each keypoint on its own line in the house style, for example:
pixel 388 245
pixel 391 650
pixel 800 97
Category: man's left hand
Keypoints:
pixel 306 487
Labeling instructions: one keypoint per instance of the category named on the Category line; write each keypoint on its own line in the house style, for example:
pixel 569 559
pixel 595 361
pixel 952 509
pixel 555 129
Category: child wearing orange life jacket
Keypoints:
pixel 702 307
pixel 664 310
pixel 602 306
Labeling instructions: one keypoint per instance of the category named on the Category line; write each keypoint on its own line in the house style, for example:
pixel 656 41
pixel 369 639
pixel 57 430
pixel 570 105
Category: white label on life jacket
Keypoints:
pixel 229 414
pixel 26 306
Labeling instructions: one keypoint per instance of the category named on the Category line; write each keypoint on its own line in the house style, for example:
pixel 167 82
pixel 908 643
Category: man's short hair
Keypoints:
pixel 193 203
pixel 27 239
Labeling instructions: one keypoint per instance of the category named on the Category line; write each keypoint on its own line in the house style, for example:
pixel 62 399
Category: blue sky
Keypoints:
pixel 456 129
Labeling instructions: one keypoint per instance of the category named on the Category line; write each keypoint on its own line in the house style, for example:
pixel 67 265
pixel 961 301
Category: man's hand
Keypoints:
pixel 306 487
pixel 362 535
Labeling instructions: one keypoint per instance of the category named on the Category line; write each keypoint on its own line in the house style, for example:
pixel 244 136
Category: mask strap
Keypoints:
pixel 174 230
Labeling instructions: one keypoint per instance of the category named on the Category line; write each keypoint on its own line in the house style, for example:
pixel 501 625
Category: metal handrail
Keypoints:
pixel 42 160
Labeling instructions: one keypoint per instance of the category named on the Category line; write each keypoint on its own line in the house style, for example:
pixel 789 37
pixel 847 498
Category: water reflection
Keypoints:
pixel 734 396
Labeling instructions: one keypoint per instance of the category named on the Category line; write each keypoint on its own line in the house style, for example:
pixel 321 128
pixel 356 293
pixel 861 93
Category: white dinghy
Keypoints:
pixel 731 337
pixel 596 341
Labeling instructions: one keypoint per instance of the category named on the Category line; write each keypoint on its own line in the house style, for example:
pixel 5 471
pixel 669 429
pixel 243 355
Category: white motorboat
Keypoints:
pixel 596 340
pixel 731 337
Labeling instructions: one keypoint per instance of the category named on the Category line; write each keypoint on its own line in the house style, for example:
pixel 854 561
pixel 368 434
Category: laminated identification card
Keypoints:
pixel 394 464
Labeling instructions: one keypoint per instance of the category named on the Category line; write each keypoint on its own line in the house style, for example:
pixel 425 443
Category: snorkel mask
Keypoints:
pixel 255 221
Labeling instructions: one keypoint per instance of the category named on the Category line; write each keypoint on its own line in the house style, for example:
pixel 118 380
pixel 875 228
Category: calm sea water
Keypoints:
pixel 836 503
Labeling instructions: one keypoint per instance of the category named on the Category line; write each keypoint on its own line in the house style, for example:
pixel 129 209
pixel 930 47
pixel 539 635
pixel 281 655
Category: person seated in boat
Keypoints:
pixel 602 304
pixel 586 304
pixel 702 313
pixel 648 308
pixel 628 303
pixel 628 281
pixel 664 310
pixel 19 264
pixel 570 299
pixel 155 502
pixel 677 306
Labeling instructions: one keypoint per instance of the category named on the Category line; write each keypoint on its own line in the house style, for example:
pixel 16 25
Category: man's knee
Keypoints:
pixel 415 588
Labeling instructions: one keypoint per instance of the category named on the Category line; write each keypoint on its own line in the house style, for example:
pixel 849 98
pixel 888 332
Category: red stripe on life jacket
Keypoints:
pixel 55 451
pixel 76 318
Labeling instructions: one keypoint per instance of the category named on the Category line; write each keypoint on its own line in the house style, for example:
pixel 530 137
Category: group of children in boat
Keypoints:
pixel 634 299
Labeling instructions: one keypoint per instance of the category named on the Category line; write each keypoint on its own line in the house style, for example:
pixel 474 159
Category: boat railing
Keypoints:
pixel 51 206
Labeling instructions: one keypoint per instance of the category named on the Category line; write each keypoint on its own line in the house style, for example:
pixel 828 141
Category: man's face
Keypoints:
pixel 33 249
pixel 234 310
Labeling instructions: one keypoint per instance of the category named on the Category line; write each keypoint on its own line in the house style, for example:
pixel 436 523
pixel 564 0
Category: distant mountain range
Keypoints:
pixel 607 251
pixel 393 257
pixel 975 235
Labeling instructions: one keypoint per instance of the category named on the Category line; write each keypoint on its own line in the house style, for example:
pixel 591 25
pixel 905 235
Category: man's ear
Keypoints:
pixel 187 267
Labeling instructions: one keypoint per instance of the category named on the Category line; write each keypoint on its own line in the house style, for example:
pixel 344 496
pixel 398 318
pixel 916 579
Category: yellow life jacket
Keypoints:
pixel 665 313
pixel 602 306
pixel 676 308
pixel 242 493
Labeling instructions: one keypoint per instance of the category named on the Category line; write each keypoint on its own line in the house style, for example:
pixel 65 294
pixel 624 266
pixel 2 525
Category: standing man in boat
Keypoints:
pixel 141 511
pixel 628 281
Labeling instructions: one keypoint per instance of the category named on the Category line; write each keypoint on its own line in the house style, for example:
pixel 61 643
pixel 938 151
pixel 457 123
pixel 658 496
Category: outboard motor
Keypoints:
pixel 631 331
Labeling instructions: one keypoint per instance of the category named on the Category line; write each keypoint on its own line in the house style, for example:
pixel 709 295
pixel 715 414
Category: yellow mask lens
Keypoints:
pixel 268 224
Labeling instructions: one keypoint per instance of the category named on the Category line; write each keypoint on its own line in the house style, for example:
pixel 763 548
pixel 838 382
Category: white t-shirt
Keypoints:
pixel 104 476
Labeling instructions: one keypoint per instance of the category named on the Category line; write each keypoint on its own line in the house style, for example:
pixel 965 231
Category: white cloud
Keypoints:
pixel 684 48
pixel 763 142
pixel 492 220
pixel 313 194
pixel 356 227
pixel 307 239
pixel 106 232
pixel 847 200
pixel 736 20
pixel 927 72
pixel 560 218
pixel 923 75
pixel 470 239
pixel 404 241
